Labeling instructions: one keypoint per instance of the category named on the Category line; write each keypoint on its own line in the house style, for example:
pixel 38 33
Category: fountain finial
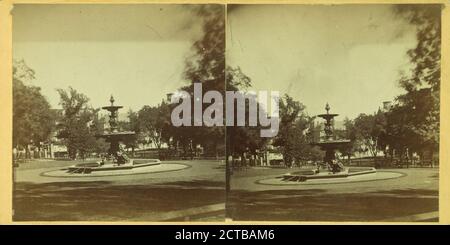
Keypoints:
pixel 112 100
pixel 327 107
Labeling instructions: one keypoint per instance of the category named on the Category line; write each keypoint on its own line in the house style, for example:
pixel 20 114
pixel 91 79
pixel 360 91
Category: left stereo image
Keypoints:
pixel 93 138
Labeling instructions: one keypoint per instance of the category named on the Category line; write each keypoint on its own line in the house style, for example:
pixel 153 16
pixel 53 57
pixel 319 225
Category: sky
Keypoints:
pixel 134 52
pixel 349 56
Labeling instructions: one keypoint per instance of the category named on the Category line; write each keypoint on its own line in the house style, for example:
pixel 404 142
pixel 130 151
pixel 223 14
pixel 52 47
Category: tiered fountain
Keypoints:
pixel 329 143
pixel 113 135
pixel 116 159
pixel 334 168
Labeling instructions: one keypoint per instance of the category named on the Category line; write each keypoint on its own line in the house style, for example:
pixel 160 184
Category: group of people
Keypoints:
pixel 118 158
pixel 335 166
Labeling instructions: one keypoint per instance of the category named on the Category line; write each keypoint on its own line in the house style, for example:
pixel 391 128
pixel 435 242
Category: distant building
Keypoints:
pixel 169 97
pixel 387 105
pixel 54 148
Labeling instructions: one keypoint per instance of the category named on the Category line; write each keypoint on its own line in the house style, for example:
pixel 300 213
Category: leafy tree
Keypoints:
pixel 206 65
pixel 426 56
pixel 74 126
pixel 132 124
pixel 239 139
pixel 96 128
pixel 368 130
pixel 236 79
pixel 22 72
pixel 414 119
pixel 292 138
pixel 413 124
pixel 152 122
pixel 33 119
pixel 349 133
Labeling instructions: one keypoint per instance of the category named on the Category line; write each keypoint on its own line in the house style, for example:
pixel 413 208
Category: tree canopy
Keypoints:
pixel 33 119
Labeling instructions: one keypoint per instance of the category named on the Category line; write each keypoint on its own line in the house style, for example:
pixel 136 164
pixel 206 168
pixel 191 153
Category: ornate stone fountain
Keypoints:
pixel 116 158
pixel 328 143
pixel 113 136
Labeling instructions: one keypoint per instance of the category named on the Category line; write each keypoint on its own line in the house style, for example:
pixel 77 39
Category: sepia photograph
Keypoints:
pixel 92 101
pixel 227 113
pixel 358 110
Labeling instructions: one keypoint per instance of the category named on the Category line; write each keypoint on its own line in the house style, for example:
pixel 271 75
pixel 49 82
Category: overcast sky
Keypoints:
pixel 135 52
pixel 349 56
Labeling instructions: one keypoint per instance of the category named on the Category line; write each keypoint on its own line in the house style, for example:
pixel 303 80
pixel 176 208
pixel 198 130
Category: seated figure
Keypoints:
pixel 122 158
pixel 336 166
pixel 102 160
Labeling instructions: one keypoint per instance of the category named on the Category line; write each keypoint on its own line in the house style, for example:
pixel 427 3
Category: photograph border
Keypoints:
pixel 6 168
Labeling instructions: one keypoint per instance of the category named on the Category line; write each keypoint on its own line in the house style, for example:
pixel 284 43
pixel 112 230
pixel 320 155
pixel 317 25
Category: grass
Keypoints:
pixel 297 206
pixel 100 201
pixel 116 199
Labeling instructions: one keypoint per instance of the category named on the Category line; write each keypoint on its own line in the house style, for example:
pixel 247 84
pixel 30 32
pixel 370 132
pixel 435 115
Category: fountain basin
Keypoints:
pixel 353 176
pixel 305 175
pixel 141 166
pixel 331 143
pixel 87 168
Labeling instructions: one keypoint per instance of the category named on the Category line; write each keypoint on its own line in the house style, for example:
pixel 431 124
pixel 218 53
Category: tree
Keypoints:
pixel 33 119
pixel 236 79
pixel 205 65
pixel 349 133
pixel 292 138
pixel 74 126
pixel 426 56
pixel 368 130
pixel 413 124
pixel 96 128
pixel 414 120
pixel 132 124
pixel 240 139
pixel 153 122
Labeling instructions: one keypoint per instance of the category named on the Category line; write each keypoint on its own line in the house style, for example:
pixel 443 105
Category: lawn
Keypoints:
pixel 134 197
